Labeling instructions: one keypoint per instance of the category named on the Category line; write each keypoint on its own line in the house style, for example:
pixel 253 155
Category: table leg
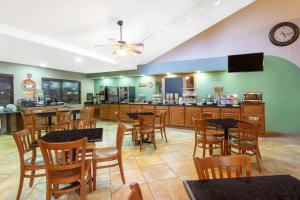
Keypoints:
pixel 8 128
pixel 74 116
pixel 49 121
pixel 226 141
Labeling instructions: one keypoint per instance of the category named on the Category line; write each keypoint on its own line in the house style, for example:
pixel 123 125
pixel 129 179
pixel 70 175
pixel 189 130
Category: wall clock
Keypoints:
pixel 284 34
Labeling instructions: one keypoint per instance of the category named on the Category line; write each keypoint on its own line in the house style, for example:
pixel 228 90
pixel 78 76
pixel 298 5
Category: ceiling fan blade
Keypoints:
pixel 103 45
pixel 135 51
pixel 136 44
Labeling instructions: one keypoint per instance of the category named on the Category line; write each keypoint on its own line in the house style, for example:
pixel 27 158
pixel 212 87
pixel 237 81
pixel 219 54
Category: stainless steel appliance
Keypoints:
pixel 102 94
pixel 255 97
pixel 126 94
pixel 112 94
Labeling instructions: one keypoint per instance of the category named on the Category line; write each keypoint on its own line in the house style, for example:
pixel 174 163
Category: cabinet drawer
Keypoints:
pixel 193 109
pixel 230 110
pixel 230 115
pixel 162 107
pixel 210 109
pixel 176 108
pixel 253 109
pixel 148 108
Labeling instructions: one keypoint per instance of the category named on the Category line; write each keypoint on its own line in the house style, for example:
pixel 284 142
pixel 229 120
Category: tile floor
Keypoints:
pixel 160 172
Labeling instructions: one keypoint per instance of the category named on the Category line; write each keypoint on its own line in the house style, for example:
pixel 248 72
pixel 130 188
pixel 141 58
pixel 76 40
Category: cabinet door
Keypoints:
pixel 148 108
pixel 112 110
pixel 177 115
pixel 215 115
pixel 191 112
pixel 104 111
pixel 215 112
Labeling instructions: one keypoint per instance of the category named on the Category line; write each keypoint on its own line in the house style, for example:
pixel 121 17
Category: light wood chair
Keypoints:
pixel 130 128
pixel 109 154
pixel 256 121
pixel 86 118
pixel 27 164
pixel 136 193
pixel 63 121
pixel 30 121
pixel 146 128
pixel 204 141
pixel 161 124
pixel 246 141
pixel 220 167
pixel 66 164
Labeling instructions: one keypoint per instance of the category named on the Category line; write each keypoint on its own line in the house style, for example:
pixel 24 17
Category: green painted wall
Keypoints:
pixel 279 83
pixel 20 73
pixel 128 81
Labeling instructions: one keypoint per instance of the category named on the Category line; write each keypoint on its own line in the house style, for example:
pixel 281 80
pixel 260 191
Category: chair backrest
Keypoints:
pixel 120 136
pixel 86 124
pixel 146 122
pixel 28 120
pixel 64 155
pixel 90 112
pixel 247 132
pixel 200 127
pixel 162 116
pixel 23 139
pixel 221 167
pixel 63 117
pixel 135 193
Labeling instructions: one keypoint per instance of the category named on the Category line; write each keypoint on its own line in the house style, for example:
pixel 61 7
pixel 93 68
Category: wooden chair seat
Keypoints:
pixel 38 164
pixel 68 176
pixel 107 153
pixel 210 139
pixel 234 142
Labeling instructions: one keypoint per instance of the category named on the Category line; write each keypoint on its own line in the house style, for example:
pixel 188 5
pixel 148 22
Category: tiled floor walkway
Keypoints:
pixel 159 172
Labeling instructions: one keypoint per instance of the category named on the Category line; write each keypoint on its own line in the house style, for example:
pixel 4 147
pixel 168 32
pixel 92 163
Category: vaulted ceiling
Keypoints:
pixel 61 34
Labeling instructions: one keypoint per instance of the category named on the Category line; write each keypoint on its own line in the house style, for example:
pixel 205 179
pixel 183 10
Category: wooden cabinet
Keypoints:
pixel 176 115
pixel 164 108
pixel 214 111
pixel 132 108
pixel 255 110
pixel 112 109
pixel 233 113
pixel 104 111
pixel 124 109
pixel 148 108
pixel 191 112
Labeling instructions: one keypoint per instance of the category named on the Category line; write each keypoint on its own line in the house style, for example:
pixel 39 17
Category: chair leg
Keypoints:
pixel 204 149
pixel 153 138
pixel 20 184
pixel 90 181
pixel 82 192
pixel 120 162
pixel 258 151
pixel 195 148
pixel 257 161
pixel 48 190
pixel 141 141
pixel 210 149
pixel 165 135
pixel 94 175
pixel 32 178
pixel 161 133
pixel 56 187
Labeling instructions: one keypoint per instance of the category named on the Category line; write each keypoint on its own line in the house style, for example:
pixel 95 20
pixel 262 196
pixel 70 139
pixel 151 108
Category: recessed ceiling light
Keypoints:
pixel 78 59
pixel 43 65
pixel 168 73
pixel 217 3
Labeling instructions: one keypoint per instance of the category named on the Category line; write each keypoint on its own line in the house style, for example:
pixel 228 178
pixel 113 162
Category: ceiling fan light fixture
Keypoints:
pixel 121 52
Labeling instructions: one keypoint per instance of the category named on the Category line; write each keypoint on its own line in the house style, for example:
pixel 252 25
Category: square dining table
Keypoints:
pixel 92 134
pixel 277 187
pixel 50 114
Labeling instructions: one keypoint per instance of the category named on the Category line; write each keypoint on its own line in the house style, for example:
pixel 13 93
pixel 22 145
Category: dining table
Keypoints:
pixel 224 124
pixel 277 187
pixel 50 114
pixel 135 115
pixel 92 134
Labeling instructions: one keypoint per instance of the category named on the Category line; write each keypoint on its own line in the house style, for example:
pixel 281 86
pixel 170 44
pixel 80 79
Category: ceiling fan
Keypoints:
pixel 121 47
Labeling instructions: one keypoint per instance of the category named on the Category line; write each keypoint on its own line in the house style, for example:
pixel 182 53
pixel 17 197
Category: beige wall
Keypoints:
pixel 244 32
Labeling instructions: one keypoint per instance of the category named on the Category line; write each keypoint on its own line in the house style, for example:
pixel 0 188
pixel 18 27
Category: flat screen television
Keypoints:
pixel 246 62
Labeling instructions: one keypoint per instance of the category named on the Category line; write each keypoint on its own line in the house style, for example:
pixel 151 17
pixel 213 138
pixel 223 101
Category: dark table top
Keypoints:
pixel 53 113
pixel 252 188
pixel 223 123
pixel 93 135
pixel 135 115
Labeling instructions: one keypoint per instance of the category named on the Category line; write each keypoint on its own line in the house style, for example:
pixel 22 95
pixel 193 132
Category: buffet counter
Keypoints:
pixel 181 115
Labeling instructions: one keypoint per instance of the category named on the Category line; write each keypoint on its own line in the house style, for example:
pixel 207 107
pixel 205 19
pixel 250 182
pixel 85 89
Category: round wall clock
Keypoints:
pixel 284 34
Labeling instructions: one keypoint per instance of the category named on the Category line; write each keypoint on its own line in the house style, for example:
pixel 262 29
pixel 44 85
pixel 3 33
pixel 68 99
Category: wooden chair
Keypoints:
pixel 202 139
pixel 136 193
pixel 66 164
pixel 109 154
pixel 23 138
pixel 220 167
pixel 246 141
pixel 256 121
pixel 161 124
pixel 212 129
pixel 30 121
pixel 63 121
pixel 146 128
pixel 130 129
pixel 86 118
